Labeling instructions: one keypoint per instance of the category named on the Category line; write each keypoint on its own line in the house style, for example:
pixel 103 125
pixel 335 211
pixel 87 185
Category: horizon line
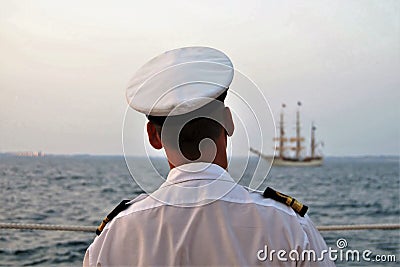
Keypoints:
pixel 15 153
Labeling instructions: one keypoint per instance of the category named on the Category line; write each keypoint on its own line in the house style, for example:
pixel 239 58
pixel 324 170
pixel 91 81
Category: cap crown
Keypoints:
pixel 180 81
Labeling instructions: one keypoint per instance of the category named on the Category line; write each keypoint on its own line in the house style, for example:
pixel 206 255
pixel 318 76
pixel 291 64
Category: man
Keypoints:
pixel 199 216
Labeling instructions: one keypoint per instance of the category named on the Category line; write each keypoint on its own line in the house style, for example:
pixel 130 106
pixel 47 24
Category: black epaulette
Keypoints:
pixel 291 202
pixel 121 206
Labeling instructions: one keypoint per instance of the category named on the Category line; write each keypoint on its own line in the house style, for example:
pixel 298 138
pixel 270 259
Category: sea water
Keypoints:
pixel 81 190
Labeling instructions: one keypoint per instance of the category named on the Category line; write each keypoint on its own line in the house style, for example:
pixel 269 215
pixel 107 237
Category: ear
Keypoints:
pixel 229 126
pixel 154 137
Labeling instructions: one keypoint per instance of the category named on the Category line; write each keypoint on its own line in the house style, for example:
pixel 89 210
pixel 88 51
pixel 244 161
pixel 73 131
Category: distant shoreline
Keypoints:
pixel 14 154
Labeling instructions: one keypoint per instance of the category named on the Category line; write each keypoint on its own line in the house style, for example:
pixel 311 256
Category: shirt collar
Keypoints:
pixel 195 184
pixel 197 171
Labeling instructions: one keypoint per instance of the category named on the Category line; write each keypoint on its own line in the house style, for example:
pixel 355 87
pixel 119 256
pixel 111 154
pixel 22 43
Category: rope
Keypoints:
pixel 92 229
pixel 351 227
pixel 51 227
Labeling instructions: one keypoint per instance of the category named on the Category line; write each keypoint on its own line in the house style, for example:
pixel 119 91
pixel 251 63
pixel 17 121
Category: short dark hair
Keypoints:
pixel 197 126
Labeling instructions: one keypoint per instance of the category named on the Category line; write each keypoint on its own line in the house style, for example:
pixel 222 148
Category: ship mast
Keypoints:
pixel 298 137
pixel 288 159
pixel 281 134
pixel 313 128
pixel 281 139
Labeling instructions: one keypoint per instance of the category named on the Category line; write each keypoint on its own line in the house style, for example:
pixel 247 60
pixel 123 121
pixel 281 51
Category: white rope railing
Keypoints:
pixel 352 227
pixel 92 229
pixel 49 227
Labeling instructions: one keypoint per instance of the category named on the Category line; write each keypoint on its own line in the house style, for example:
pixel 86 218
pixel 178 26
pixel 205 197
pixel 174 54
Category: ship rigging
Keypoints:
pixel 283 157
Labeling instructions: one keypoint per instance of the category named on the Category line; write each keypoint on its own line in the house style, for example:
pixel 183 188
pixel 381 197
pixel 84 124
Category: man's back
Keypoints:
pixel 199 216
pixel 203 227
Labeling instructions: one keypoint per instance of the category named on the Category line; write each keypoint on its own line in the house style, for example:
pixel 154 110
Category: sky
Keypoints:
pixel 65 65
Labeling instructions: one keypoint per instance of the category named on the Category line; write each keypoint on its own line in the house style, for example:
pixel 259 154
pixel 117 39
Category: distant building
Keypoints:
pixel 28 154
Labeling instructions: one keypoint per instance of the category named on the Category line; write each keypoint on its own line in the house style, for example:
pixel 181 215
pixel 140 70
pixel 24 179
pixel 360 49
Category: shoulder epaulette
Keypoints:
pixel 282 198
pixel 121 206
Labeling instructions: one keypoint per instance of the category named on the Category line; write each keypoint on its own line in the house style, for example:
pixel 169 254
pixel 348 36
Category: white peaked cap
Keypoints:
pixel 180 81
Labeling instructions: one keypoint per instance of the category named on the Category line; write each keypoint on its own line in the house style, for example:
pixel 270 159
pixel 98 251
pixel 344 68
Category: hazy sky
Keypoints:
pixel 64 66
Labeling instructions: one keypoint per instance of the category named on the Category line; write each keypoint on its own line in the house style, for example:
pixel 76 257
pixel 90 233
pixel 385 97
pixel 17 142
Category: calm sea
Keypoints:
pixel 81 190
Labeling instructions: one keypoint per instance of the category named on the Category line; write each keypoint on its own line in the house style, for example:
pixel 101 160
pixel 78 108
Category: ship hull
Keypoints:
pixel 297 163
pixel 290 162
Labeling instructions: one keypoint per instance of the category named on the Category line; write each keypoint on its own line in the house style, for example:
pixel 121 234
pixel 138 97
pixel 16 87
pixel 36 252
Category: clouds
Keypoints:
pixel 65 66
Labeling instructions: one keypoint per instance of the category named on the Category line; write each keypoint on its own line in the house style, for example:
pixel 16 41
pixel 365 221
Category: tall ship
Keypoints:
pixel 292 155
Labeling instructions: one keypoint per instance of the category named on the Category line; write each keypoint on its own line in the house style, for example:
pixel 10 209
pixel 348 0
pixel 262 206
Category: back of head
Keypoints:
pixel 194 133
pixel 181 92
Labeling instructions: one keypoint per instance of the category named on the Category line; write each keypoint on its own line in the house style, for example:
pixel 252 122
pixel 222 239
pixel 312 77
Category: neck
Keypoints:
pixel 221 161
pixel 220 158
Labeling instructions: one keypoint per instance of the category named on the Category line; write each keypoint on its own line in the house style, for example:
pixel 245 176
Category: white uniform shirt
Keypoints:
pixel 206 226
